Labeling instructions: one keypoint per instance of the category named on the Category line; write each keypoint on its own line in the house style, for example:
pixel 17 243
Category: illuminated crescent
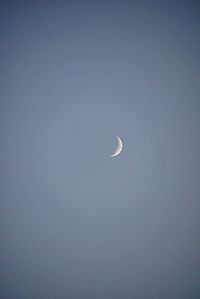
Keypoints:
pixel 118 148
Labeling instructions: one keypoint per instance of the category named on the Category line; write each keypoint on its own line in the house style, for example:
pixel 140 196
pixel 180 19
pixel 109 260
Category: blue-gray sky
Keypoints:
pixel 74 223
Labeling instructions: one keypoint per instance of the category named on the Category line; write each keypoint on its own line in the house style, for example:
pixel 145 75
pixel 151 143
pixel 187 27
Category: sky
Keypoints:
pixel 75 223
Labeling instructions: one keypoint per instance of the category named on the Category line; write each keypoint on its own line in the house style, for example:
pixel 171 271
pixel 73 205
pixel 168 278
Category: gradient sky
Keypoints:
pixel 75 223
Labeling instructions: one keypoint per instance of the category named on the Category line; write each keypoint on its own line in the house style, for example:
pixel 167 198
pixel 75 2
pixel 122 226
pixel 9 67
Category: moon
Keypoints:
pixel 118 148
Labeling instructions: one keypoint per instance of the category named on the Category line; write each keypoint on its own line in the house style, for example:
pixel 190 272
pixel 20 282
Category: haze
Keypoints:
pixel 74 223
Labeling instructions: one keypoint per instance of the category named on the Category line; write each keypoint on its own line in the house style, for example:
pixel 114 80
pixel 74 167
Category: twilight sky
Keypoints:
pixel 74 223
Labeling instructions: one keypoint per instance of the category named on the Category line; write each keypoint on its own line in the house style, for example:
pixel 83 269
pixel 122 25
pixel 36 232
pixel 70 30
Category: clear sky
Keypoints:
pixel 75 223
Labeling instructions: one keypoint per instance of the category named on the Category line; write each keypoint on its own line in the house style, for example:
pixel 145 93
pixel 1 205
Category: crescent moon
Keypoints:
pixel 118 148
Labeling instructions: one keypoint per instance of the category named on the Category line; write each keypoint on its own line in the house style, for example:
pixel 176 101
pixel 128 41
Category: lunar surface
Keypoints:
pixel 118 149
